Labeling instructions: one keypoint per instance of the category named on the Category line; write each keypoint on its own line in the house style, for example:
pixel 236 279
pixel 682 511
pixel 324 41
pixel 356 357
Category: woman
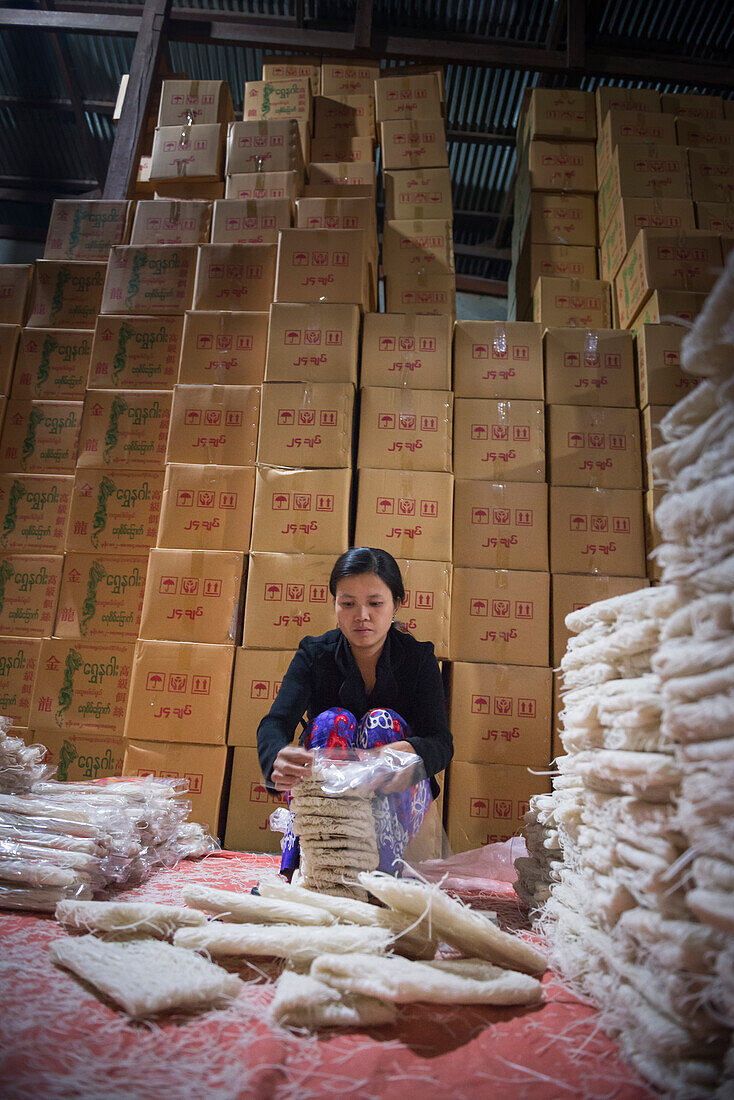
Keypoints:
pixel 365 684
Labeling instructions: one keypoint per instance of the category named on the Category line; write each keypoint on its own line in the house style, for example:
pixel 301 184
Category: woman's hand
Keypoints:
pixel 290 767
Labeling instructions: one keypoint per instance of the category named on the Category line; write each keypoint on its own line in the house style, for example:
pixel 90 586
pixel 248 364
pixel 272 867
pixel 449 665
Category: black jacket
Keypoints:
pixel 324 674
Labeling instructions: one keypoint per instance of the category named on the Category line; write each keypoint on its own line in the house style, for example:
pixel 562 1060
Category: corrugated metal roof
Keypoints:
pixel 40 145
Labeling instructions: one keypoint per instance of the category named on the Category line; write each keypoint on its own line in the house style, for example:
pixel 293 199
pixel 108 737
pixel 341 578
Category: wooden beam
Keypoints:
pixel 92 106
pixel 652 67
pixel 19 188
pixel 363 25
pixel 150 46
pixel 471 284
pixel 84 22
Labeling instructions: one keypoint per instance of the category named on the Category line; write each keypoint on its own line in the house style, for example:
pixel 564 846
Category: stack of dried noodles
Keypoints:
pixel 541 866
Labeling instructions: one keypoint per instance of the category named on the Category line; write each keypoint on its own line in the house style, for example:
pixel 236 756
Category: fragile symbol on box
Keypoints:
pixel 301 502
pixel 189 586
pixel 599 523
pixel 259 689
pixel 500 432
pixel 501 516
pixel 168 586
pixel 501 609
pixel 407 422
pixel 205 498
pixel 502 807
pixel 478 807
pixel 406 506
pixel 480 704
pixel 503 705
pixel 177 682
pixel 307 417
pixel 295 592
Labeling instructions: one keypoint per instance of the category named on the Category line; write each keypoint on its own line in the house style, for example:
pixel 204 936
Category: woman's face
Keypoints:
pixel 364 610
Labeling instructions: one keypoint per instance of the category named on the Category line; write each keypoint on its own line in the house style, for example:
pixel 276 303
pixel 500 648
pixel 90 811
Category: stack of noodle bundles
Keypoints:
pixel 641 918
pixel 73 840
pixel 540 867
pixel 336 836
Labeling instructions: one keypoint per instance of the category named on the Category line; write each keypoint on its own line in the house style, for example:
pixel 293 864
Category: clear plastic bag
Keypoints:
pixel 378 771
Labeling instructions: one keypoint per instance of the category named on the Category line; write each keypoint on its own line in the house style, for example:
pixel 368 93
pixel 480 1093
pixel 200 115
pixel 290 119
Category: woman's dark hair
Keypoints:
pixel 368 559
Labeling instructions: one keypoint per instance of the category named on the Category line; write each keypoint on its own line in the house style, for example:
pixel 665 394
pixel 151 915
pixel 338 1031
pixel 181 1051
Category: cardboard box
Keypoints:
pixel 166 221
pixel 405 429
pixel 413 143
pixel 34 511
pixel 433 294
pixel 188 190
pixel 625 99
pixel 557 217
pixel 653 538
pixel 264 146
pixel 81 686
pixel 314 342
pixel 344 116
pixel 275 99
pixel 418 247
pixel 101 597
pixel 238 276
pixel 426 609
pixel 663 260
pixel 572 303
pixel 214 425
pixel 9 340
pixel 194 595
pixel 559 166
pixel 651 437
pixel 594 446
pixel 500 714
pixel 409 69
pixel 494 359
pixel 204 766
pixel 500 615
pixel 198 101
pixel 340 213
pixel 560 260
pixel 135 353
pixel 28 594
pixel 409 512
pixel 86 229
pixel 223 348
pixel 501 525
pixel 125 429
pixel 250 806
pixel 423 193
pixel 660 378
pixel 596 531
pixel 287 598
pixel 408 97
pixel 348 174
pixel 570 592
pixel 486 803
pixel 718 217
pixel 263 185
pixel 15 283
pixel 670 307
pixel 18 667
pixel 151 278
pixel 341 191
pixel 631 215
pixel 189 152
pixel 309 509
pixel 692 106
pixel 563 113
pixel 40 437
pixel 207 507
pixel 306 424
pixel 258 674
pixel 712 174
pixel 316 265
pixel 66 293
pixel 499 440
pixel 341 150
pixel 348 77
pixel 289 66
pixel 705 133
pixel 641 171
pixel 621 127
pixel 250 221
pixel 180 690
pixel 589 368
pixel 52 364
pixel 557 748
pixel 114 512
pixel 406 351
pixel 82 755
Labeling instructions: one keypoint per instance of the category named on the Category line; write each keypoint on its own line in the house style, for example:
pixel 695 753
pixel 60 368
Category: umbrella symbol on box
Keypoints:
pixel 184 498
pixel 168 585
pixel 280 501
pixel 192 416
pixel 578 523
pixel 259 690
pixel 479 515
pixel 154 681
pixel 258 793
pixel 479 807
pixel 286 416
pixel 479 431
pixel 204 343
pixel 480 704
pixel 387 421
pixel 480 351
pixel 273 591
pixel 478 607
pixel 300 258
pixel 292 336
pixel 385 505
pixel 387 343
pixel 575 439
pixel 503 705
